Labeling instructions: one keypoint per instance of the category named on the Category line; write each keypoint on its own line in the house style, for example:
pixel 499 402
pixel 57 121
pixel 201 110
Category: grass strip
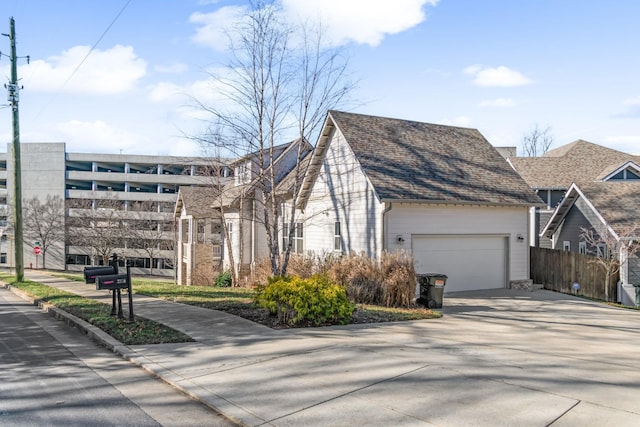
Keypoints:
pixel 239 301
pixel 141 332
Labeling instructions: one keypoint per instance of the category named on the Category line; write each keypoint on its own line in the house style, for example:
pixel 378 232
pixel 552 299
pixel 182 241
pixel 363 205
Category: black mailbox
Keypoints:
pixel 112 281
pixel 91 273
pixel 107 278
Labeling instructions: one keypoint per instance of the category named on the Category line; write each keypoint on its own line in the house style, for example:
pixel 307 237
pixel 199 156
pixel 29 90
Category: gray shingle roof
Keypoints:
pixel 579 161
pixel 413 161
pixel 618 203
pixel 197 200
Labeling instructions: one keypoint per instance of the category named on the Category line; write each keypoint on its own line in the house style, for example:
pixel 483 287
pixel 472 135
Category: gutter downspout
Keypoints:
pixel 384 226
pixel 253 235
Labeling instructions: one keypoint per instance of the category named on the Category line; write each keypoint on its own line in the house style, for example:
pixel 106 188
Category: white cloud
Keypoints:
pixel 499 102
pixel 212 27
pixel 108 71
pixel 461 121
pixel 627 143
pixel 172 68
pixel 89 136
pixel 206 91
pixel 499 76
pixel 165 91
pixel 632 101
pixel 359 21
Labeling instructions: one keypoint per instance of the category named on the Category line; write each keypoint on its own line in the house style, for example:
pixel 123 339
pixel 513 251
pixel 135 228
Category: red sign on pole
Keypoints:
pixel 37 250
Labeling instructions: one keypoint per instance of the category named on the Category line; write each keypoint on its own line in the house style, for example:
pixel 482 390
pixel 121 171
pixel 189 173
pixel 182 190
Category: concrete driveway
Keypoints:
pixel 496 358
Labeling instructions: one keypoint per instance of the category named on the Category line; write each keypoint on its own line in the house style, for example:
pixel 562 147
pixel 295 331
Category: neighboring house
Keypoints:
pixel 442 193
pixel 240 206
pixel 609 206
pixel 199 240
pixel 551 175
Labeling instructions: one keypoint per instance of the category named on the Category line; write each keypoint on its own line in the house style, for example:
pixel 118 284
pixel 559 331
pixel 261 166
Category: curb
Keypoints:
pixel 93 332
pixel 107 341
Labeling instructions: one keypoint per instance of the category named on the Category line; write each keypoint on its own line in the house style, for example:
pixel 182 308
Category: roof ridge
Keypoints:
pixel 399 120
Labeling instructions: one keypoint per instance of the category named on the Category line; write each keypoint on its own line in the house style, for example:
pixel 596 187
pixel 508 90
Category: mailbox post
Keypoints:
pixel 107 278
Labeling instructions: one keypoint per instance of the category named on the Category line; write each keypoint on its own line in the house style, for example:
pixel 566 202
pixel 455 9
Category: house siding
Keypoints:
pixel 343 193
pixel 256 231
pixel 632 272
pixel 409 220
pixel 542 216
pixel 579 216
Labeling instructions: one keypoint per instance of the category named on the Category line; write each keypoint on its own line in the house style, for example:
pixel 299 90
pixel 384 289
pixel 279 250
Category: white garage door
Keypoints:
pixel 470 262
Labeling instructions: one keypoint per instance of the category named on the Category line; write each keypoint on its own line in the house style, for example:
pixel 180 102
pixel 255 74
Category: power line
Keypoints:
pixel 95 44
pixel 75 70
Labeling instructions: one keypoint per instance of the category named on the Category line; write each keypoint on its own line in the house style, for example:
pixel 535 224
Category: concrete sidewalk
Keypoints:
pixel 496 358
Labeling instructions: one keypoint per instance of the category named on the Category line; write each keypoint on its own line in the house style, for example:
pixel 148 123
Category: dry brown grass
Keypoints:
pixel 360 275
pixel 399 279
pixel 204 275
pixel 388 282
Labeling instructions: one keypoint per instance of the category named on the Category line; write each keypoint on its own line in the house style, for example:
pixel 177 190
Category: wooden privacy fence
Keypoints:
pixel 558 270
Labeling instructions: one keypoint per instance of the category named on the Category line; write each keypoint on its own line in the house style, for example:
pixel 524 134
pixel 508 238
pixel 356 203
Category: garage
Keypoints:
pixel 471 262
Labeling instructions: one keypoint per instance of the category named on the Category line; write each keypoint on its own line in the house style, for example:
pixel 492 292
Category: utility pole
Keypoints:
pixel 14 97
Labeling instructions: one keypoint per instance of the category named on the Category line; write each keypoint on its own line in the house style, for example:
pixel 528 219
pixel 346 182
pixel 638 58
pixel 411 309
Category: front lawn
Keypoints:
pixel 239 301
pixel 142 331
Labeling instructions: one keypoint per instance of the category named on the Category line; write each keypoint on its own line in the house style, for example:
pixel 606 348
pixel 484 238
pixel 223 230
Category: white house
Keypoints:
pixel 441 192
pixel 238 202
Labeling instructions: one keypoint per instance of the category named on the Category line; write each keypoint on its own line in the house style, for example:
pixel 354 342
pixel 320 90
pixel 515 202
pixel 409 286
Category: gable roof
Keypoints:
pixel 196 200
pixel 232 192
pixel 613 170
pixel 579 161
pixel 615 203
pixel 422 162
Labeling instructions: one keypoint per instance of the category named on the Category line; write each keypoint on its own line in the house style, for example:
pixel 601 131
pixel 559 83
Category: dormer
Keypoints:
pixel 626 172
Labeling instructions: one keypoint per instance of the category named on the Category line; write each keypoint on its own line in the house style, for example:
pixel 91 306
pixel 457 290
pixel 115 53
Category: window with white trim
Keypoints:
pixel 285 237
pixel 337 237
pixel 602 249
pixel 566 245
pixel 582 248
pixel 297 240
pixel 200 223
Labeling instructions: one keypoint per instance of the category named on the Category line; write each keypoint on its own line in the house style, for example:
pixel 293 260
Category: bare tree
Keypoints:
pixel 98 225
pixel 611 250
pixel 537 141
pixel 149 231
pixel 282 79
pixel 44 222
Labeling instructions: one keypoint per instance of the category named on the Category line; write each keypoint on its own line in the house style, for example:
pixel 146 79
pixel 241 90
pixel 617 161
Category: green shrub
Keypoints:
pixel 223 280
pixel 295 300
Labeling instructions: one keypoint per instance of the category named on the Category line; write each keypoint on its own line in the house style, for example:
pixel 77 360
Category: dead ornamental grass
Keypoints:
pixel 389 282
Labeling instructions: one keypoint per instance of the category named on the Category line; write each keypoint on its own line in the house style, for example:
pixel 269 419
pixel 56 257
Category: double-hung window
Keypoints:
pixel 337 237
pixel 297 238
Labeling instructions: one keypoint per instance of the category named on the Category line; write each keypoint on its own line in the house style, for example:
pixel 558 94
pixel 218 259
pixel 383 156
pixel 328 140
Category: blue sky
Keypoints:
pixel 498 66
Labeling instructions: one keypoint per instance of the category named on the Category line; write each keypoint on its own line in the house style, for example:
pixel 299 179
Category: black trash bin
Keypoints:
pixel 637 289
pixel 431 289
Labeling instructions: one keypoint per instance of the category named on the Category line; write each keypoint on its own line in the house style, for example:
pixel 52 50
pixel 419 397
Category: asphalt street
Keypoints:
pixel 52 375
